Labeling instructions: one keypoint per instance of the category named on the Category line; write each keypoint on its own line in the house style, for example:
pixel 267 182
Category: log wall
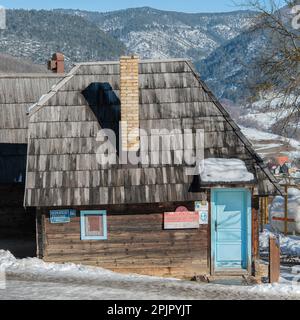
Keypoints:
pixel 137 243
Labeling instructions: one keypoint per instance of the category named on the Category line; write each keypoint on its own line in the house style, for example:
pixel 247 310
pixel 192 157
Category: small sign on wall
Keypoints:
pixel 181 220
pixel 62 216
pixel 202 208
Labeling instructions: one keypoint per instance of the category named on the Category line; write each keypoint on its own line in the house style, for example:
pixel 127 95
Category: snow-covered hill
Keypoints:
pixel 230 70
pixel 272 145
pixel 274 113
pixel 153 33
pixel 36 35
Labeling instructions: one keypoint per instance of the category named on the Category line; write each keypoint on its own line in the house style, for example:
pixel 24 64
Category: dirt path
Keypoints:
pixel 112 290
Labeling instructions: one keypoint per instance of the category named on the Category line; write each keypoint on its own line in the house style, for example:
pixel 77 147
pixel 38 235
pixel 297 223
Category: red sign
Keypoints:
pixel 181 209
pixel 181 220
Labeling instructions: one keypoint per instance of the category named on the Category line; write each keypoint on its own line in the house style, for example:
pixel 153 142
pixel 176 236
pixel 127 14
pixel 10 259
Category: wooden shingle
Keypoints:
pixel 63 152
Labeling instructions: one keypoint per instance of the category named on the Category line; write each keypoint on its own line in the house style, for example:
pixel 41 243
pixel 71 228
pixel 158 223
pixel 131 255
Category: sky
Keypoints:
pixel 104 5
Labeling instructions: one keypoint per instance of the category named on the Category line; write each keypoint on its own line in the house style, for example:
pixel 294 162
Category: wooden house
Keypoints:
pixel 17 93
pixel 150 217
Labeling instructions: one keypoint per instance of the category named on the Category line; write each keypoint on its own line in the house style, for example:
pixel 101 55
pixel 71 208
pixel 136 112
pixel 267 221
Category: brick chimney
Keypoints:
pixel 129 96
pixel 57 63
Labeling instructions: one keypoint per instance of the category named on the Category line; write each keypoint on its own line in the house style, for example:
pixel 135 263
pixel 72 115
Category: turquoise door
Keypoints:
pixel 231 229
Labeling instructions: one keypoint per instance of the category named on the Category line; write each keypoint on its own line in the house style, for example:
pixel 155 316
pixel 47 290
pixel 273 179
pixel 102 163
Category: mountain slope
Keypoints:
pixel 154 33
pixel 37 34
pixel 229 70
pixel 234 67
pixel 9 64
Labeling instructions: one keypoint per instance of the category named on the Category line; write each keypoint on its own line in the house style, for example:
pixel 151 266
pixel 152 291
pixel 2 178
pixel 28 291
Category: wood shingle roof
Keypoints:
pixel 17 93
pixel 62 166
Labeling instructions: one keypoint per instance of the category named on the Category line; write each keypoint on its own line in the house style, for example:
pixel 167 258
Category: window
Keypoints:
pixel 93 225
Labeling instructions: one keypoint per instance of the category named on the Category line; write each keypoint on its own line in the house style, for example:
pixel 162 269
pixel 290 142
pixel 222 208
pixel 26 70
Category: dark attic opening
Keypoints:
pixel 106 106
pixel 17 225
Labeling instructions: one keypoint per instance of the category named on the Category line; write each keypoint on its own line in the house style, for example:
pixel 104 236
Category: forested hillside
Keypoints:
pixel 37 34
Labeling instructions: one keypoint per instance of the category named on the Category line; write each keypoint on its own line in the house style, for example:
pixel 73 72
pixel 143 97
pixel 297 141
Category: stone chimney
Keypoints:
pixel 57 63
pixel 129 96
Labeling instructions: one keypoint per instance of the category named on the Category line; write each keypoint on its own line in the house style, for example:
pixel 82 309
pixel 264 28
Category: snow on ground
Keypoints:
pixel 270 109
pixel 277 210
pixel 257 135
pixel 289 245
pixel 32 278
pixel 266 143
pixel 290 251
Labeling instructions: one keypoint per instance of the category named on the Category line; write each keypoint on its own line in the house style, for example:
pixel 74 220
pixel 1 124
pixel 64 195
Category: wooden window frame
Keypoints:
pixel 84 213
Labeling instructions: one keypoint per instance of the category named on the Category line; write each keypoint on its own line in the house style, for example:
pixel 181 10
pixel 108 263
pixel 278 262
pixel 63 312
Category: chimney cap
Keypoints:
pixel 57 63
pixel 132 56
pixel 58 56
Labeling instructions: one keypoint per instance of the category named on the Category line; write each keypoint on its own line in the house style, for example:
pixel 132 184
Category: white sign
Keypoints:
pixel 203 208
pixel 2 18
pixel 203 217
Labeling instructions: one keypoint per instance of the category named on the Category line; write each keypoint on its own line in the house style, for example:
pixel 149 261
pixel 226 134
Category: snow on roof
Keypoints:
pixel 224 170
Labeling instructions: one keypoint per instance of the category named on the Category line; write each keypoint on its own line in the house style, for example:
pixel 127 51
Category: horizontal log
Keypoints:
pixel 126 261
pixel 120 247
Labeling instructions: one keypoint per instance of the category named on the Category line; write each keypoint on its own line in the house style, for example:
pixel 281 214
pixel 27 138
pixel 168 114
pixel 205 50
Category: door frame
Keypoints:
pixel 248 212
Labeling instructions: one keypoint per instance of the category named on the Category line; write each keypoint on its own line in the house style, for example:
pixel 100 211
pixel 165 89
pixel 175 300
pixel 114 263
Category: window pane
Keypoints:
pixel 94 225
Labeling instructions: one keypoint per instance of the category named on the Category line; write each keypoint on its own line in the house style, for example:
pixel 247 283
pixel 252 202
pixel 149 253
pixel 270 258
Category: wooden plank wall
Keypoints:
pixel 136 243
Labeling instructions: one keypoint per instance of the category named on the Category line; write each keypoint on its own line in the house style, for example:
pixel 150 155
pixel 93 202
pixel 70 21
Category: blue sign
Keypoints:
pixel 72 213
pixel 60 216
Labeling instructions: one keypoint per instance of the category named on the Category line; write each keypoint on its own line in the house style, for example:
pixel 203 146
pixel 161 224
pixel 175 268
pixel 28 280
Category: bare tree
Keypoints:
pixel 278 65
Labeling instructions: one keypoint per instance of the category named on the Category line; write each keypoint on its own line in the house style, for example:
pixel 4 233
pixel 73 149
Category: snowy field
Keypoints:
pixel 34 279
pixel 277 211
pixel 289 245
pixel 290 255
pixel 269 144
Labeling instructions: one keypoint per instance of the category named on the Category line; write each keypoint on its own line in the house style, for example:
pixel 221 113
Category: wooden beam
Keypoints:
pixel 283 219
pixel 274 260
pixel 266 210
pixel 286 210
pixel 261 210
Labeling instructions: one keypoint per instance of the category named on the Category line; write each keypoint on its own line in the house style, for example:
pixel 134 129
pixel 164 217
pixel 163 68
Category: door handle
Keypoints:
pixel 216 225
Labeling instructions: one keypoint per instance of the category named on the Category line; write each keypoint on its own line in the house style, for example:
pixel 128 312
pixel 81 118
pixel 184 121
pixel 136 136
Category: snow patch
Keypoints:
pixel 265 143
pixel 34 268
pixel 289 245
pixel 41 280
pixel 277 210
pixel 277 288
pixel 224 170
